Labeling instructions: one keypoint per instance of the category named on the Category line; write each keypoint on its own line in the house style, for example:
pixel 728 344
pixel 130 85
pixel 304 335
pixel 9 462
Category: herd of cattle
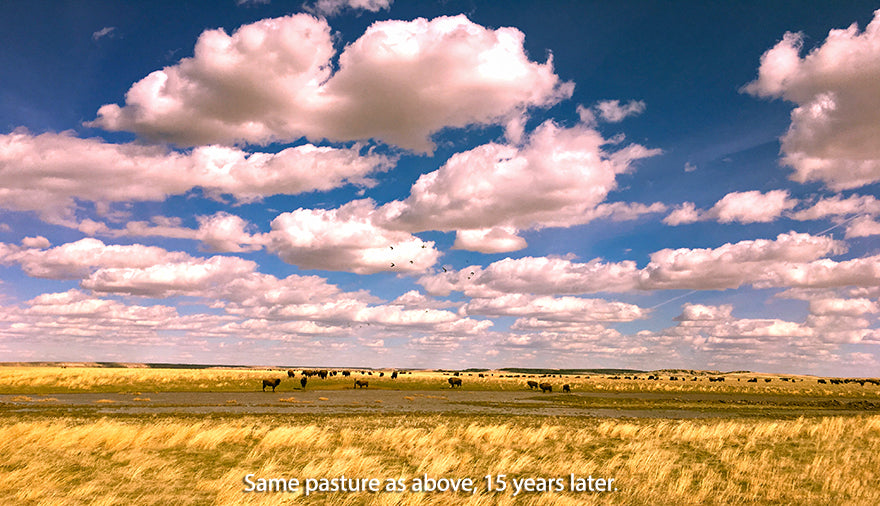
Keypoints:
pixel 324 374
pixel 456 381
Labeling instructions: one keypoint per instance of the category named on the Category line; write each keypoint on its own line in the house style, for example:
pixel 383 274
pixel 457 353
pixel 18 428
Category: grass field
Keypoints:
pixel 50 380
pixel 51 454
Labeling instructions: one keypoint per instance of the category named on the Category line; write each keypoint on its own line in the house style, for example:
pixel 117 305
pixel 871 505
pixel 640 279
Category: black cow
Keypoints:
pixel 290 373
pixel 303 381
pixel 394 375
pixel 454 382
pixel 532 384
pixel 546 387
pixel 361 383
pixel 566 388
pixel 271 383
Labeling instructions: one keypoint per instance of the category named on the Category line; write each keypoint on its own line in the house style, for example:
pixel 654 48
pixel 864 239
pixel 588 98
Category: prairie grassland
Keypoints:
pixel 180 460
pixel 49 380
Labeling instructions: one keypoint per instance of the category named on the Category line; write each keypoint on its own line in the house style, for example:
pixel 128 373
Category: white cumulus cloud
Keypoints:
pixel 836 86
pixel 400 82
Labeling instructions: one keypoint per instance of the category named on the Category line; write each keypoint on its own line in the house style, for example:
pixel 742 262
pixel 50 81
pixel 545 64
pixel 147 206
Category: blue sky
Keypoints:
pixel 450 184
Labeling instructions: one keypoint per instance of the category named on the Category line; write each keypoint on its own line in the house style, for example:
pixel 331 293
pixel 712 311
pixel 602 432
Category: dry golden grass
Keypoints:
pixel 174 460
pixel 52 380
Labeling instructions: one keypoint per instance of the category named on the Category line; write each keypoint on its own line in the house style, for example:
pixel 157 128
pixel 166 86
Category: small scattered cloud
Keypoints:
pixel 613 111
pixel 330 8
pixel 740 207
pixel 107 31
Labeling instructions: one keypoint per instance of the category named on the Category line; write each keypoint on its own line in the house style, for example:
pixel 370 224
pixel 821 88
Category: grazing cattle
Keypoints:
pixel 361 383
pixel 290 373
pixel 394 375
pixel 566 388
pixel 271 383
pixel 546 387
pixel 381 374
pixel 532 384
pixel 480 375
pixel 303 382
pixel 767 380
pixel 753 380
pixel 346 374
pixel 454 382
pixel 823 382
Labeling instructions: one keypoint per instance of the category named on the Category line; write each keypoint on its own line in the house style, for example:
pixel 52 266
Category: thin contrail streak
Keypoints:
pixel 844 222
pixel 674 298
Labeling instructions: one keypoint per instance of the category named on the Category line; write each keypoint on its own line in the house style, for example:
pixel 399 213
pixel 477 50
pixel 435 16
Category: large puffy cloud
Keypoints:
pixel 535 275
pixel 555 309
pixel 735 264
pixel 76 260
pixel 351 238
pixel 77 316
pixel 400 82
pixel 836 205
pixel 863 226
pixel 836 86
pixel 220 232
pixel 831 322
pixel 742 207
pixel 48 173
pixel 551 180
pixel 825 273
pixel 188 277
pixel 489 240
pixel 227 283
pixel 557 178
pixel 860 208
pixel 348 238
pixel 791 259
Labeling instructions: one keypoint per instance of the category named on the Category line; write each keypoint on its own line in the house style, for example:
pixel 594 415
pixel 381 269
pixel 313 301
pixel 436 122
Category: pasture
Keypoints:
pixel 86 435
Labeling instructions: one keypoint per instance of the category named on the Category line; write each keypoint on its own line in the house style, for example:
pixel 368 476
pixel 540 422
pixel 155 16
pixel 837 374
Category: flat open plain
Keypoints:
pixel 100 435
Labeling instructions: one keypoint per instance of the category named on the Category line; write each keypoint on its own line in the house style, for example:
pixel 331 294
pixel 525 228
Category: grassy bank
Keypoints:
pixel 52 380
pixel 194 460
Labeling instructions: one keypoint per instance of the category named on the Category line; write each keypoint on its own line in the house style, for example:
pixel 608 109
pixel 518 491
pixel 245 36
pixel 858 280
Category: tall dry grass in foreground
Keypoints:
pixel 175 460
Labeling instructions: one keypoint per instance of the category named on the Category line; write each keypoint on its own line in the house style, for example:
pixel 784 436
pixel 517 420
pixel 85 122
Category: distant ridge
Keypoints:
pixel 517 370
pixel 526 370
